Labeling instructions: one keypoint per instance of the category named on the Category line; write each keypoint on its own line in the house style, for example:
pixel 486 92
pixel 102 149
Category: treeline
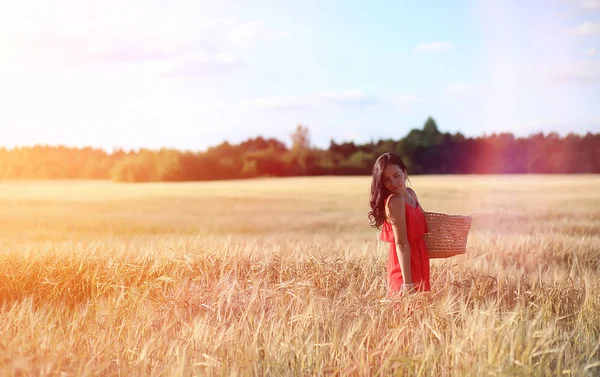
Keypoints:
pixel 426 151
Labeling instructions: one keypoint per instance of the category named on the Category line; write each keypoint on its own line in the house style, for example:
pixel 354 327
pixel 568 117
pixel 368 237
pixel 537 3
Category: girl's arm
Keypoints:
pixel 397 218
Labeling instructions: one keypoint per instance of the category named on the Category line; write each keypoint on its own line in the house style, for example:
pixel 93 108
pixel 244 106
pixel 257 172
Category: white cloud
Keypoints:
pixel 409 97
pixel 586 29
pixel 592 52
pixel 267 103
pixel 590 4
pixel 219 36
pixel 433 46
pixel 38 35
pixel 576 71
pixel 560 126
pixel 455 88
pixel 349 98
pixel 584 70
pixel 351 132
pixel 408 101
pixel 203 65
pixel 461 93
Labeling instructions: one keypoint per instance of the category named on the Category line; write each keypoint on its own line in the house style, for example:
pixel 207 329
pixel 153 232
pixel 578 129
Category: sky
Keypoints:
pixel 190 74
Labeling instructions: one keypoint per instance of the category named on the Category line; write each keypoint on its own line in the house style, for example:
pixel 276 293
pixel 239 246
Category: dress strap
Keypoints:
pixel 411 191
pixel 387 201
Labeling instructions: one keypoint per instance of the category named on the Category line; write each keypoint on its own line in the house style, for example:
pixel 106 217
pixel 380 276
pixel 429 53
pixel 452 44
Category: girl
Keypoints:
pixel 396 209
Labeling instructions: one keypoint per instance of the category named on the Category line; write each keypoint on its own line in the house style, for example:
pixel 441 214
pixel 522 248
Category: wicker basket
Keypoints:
pixel 447 234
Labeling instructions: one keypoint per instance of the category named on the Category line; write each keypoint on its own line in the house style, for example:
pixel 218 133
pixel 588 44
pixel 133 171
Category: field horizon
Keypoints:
pixel 284 276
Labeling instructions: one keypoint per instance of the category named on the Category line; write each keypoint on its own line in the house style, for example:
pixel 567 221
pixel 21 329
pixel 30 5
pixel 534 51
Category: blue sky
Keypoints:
pixel 189 74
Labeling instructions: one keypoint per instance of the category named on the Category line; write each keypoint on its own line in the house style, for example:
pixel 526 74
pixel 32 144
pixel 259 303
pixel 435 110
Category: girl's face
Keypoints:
pixel 394 179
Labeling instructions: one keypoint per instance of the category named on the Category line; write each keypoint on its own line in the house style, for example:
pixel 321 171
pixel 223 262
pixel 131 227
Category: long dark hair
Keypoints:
pixel 378 191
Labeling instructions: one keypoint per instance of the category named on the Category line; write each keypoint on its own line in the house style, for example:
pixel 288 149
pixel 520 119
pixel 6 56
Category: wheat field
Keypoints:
pixel 284 277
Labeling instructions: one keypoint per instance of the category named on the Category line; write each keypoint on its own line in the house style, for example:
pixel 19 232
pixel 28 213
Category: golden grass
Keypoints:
pixel 285 277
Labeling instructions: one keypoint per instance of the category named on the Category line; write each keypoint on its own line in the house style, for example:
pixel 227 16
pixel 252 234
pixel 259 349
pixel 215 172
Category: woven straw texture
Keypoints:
pixel 447 234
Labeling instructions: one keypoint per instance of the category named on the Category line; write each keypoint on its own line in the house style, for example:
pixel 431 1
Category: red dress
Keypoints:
pixel 416 226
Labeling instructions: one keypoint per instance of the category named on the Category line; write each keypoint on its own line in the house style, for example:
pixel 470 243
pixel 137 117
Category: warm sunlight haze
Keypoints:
pixel 284 277
pixel 189 74
pixel 300 188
